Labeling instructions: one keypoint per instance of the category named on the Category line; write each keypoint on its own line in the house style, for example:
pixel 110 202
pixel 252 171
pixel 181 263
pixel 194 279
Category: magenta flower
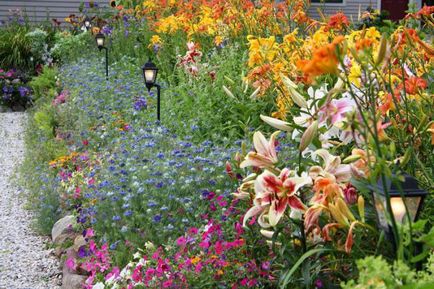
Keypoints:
pixel 70 264
pixel 181 241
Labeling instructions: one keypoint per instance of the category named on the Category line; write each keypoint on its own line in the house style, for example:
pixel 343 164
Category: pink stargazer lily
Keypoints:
pixel 274 194
pixel 337 109
pixel 332 165
pixel 265 154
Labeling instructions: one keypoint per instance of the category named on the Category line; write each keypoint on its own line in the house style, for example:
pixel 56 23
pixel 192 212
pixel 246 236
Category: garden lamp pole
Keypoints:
pixel 100 39
pixel 150 72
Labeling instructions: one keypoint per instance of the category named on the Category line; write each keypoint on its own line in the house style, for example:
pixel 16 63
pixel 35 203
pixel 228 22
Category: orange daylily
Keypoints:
pixel 324 60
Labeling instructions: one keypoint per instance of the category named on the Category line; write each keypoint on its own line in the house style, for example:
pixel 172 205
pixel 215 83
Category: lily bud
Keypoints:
pixel 342 206
pixel 268 234
pixel 308 136
pixel 422 123
pixel 229 93
pixel 243 148
pixel 351 159
pixel 406 158
pixel 276 123
pixel 382 52
pixel 337 215
pixel 238 157
pixel 296 97
pixel 229 170
pixel 361 207
pixel 250 177
pixel 255 93
pixel 230 80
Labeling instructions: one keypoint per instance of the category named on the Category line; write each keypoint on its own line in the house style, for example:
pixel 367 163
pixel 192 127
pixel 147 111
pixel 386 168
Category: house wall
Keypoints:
pixel 351 8
pixel 43 9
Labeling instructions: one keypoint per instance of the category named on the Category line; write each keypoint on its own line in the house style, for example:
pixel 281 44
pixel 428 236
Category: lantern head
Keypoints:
pixel 150 72
pixel 100 39
pixel 406 194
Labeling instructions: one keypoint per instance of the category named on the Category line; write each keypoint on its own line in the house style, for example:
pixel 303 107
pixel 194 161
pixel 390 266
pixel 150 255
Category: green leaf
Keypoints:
pixel 420 257
pixel 428 239
pixel 287 276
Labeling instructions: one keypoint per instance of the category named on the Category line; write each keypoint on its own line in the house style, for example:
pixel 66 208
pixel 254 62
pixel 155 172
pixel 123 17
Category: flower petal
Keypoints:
pixel 253 211
pixel 349 241
pixel 260 143
pixel 296 204
pixel 276 211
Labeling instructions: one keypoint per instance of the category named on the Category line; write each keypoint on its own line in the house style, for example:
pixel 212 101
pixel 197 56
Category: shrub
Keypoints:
pixel 15 93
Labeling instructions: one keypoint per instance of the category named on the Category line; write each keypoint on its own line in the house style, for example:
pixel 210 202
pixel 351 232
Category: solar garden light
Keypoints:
pixel 150 72
pixel 100 40
pixel 87 23
pixel 405 197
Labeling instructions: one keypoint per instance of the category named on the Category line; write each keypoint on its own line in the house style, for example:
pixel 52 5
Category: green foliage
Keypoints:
pixel 38 44
pixel 68 47
pixel 194 100
pixel 44 120
pixel 15 47
pixel 376 273
pixel 42 146
pixel 44 85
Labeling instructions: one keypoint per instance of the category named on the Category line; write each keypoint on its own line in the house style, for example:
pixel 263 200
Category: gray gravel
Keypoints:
pixel 25 260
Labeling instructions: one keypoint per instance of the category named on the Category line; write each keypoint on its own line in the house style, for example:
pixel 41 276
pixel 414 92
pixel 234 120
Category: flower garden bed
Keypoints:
pixel 273 143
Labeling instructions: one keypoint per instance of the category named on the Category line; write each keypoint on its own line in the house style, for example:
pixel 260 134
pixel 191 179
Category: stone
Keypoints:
pixel 78 242
pixel 62 238
pixel 63 226
pixel 72 280
pixel 59 251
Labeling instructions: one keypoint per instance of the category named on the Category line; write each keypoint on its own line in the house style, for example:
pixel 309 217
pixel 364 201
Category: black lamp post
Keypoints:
pixel 87 23
pixel 407 197
pixel 100 39
pixel 150 72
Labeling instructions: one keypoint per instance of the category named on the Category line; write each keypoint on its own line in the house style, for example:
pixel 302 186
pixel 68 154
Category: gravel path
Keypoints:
pixel 25 261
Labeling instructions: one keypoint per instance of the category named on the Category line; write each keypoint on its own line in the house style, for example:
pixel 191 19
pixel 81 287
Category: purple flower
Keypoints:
pixel 157 218
pixel 140 103
pixel 82 252
pixel 23 91
pixel 107 30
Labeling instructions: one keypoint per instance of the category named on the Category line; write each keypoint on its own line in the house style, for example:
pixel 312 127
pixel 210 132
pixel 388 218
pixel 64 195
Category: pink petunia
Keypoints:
pixel 70 264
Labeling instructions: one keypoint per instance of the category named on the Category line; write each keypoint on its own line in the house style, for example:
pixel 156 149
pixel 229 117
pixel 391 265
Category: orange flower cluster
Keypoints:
pixel 337 21
pixel 63 161
pixel 324 61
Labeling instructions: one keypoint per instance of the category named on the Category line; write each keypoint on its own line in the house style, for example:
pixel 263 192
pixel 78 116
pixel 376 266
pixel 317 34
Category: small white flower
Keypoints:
pixel 137 255
pixel 149 246
pixel 98 285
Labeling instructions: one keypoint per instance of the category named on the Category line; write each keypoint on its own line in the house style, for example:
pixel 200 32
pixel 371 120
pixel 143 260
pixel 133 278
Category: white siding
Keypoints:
pixel 43 9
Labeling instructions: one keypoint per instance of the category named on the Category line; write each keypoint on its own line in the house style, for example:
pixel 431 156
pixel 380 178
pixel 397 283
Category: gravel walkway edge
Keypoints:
pixel 25 261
